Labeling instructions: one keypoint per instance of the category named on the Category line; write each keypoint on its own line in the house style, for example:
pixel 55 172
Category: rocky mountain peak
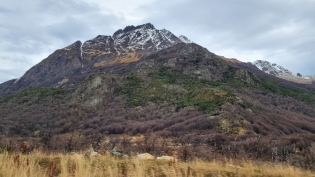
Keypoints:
pixel 132 39
pixel 131 28
pixel 128 28
pixel 75 45
pixel 147 26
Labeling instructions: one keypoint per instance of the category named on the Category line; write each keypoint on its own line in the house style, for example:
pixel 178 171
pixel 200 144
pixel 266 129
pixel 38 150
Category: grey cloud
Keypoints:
pixel 4 10
pixel 69 29
pixel 34 28
pixel 61 20
pixel 239 20
pixel 265 26
pixel 7 75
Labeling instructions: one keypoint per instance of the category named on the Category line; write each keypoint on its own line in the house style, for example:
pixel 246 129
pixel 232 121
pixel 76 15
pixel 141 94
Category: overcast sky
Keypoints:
pixel 279 31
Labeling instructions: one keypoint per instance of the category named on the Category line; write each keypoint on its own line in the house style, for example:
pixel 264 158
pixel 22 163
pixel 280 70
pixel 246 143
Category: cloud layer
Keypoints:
pixel 31 30
pixel 277 31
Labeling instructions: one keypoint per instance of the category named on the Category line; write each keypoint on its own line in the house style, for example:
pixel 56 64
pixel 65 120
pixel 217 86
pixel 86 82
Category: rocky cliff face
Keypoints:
pixel 53 71
pixel 65 66
pixel 61 64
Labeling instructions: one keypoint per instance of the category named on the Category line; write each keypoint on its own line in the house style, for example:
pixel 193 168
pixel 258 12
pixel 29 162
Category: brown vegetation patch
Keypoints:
pixel 209 93
pixel 90 54
pixel 131 57
pixel 232 60
pixel 102 63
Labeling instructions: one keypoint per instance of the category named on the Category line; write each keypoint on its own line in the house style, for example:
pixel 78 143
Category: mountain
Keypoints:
pixel 147 82
pixel 70 65
pixel 178 80
pixel 281 72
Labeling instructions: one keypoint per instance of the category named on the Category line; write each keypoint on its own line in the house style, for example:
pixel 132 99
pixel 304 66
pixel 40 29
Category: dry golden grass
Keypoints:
pixel 77 165
pixel 131 57
pixel 89 54
pixel 102 63
pixel 233 60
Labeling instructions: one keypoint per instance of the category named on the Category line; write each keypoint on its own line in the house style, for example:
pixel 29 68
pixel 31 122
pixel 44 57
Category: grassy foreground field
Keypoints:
pixel 77 165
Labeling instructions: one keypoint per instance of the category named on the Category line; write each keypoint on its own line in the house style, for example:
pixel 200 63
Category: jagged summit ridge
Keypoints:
pixel 143 38
pixel 131 27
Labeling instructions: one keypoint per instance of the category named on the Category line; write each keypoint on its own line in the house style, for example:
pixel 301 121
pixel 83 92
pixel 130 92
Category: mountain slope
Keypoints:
pixel 182 78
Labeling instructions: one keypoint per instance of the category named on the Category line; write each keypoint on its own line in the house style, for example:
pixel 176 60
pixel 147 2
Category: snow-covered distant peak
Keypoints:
pixel 279 71
pixel 272 68
pixel 184 39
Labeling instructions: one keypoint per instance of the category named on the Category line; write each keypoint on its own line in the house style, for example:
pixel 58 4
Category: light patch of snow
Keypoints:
pixel 167 35
pixel 81 54
pixel 184 39
pixel 117 50
pixel 81 51
pixel 305 77
pixel 16 80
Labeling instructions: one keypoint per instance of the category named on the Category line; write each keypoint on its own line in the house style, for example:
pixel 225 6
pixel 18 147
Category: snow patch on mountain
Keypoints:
pixel 184 39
